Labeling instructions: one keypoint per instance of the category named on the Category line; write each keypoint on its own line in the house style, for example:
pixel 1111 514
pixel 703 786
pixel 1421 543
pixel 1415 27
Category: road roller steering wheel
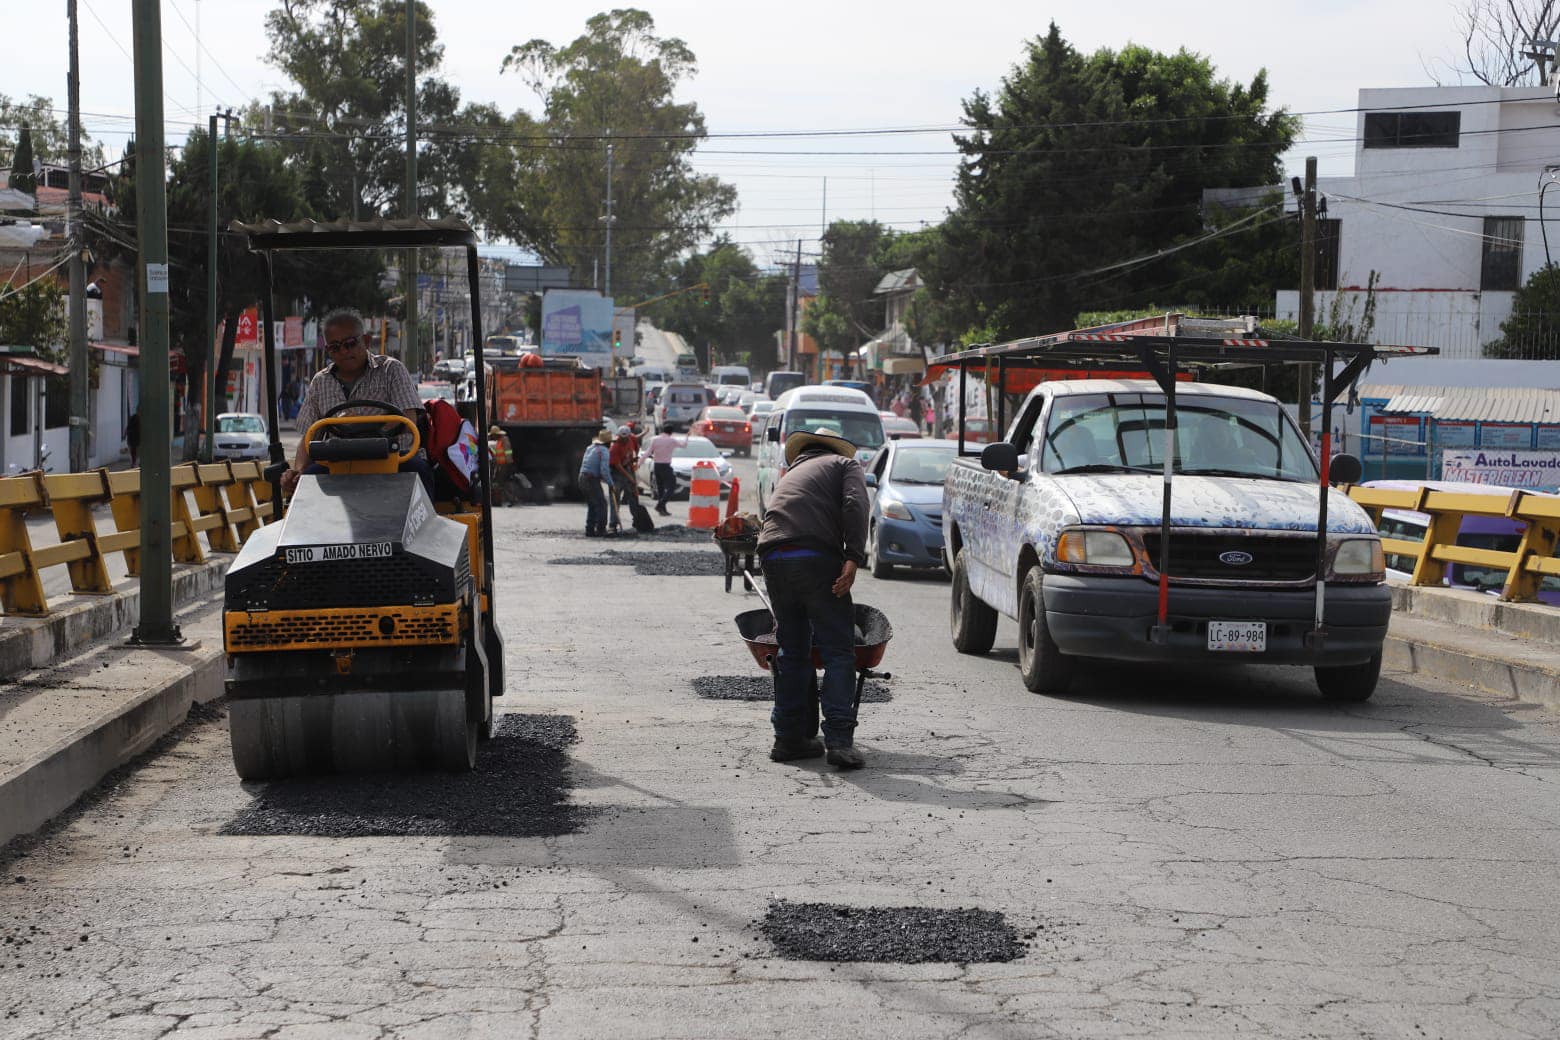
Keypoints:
pixel 361 427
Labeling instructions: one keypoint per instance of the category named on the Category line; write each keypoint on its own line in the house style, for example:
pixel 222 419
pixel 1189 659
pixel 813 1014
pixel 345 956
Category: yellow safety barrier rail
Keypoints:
pixel 1525 567
pixel 231 501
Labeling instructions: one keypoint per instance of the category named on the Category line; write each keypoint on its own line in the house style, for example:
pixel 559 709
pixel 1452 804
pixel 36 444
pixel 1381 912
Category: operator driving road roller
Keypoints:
pixel 359 628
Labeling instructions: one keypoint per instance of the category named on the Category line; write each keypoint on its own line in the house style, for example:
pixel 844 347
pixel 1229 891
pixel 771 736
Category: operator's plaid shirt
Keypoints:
pixel 385 379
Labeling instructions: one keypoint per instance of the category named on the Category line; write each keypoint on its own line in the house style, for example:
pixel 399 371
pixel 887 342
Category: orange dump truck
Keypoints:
pixel 551 412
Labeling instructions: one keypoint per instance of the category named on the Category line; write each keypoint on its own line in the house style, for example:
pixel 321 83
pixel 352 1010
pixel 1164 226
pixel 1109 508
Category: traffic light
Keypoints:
pixel 617 340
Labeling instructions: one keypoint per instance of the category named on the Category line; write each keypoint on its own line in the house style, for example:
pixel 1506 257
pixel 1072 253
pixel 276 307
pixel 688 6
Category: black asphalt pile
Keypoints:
pixel 520 789
pixel 669 533
pixel 889 934
pixel 762 688
pixel 673 564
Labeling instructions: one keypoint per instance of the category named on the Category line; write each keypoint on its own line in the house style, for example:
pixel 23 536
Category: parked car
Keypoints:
pixel 429 391
pixel 683 460
pixel 726 427
pixel 905 524
pixel 1059 526
pixel 449 369
pixel 978 431
pixel 240 436
pixel 898 428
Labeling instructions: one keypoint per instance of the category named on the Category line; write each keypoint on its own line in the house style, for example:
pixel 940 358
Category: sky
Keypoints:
pixel 802 65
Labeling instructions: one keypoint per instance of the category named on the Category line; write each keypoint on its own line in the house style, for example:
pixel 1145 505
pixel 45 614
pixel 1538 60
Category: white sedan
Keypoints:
pixel 683 461
pixel 240 435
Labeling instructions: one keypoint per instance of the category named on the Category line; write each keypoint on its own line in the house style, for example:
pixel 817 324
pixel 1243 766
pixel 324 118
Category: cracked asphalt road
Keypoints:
pixel 1195 855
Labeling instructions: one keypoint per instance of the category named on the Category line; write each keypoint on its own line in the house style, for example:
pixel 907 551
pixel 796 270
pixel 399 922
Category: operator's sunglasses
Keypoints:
pixel 336 346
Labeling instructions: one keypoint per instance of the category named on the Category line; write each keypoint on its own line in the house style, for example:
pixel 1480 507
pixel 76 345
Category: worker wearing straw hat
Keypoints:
pixel 814 538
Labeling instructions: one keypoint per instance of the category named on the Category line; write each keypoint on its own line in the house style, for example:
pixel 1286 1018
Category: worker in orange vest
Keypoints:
pixel 503 456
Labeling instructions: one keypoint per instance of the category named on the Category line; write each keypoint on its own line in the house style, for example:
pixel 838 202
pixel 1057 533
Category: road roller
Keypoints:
pixel 359 627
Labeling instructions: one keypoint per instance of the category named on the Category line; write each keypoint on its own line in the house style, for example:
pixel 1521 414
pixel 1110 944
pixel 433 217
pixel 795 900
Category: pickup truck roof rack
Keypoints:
pixel 1164 354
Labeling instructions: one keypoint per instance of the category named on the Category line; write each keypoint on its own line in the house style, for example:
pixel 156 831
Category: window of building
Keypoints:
pixel 56 403
pixel 1412 129
pixel 21 414
pixel 1502 268
pixel 1329 230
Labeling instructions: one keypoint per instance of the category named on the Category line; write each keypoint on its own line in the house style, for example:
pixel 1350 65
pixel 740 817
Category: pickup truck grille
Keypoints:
pixel 1196 555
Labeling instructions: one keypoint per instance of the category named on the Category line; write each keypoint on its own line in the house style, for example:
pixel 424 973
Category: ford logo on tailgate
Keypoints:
pixel 1235 558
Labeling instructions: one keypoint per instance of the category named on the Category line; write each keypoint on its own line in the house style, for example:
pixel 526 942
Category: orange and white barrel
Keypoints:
pixel 704 497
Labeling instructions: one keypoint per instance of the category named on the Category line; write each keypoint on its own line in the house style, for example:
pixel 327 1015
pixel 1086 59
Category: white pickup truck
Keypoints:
pixel 1059 527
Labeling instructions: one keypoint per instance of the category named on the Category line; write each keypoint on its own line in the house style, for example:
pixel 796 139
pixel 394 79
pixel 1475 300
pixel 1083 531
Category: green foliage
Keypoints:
pixel 744 309
pixel 345 123
pixel 1078 163
pixel 50 141
pixel 543 182
pixel 22 177
pixel 34 316
pixel 1532 331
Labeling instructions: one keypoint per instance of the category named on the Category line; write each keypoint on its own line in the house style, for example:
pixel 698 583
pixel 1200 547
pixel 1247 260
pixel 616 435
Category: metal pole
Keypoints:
pixel 80 374
pixel 484 419
pixel 208 412
pixel 1307 288
pixel 607 279
pixel 156 627
pixel 1318 634
pixel 796 311
pixel 268 356
pixel 1161 633
pixel 409 345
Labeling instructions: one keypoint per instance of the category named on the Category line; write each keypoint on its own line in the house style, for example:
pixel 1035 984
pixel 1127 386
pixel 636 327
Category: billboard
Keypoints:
pixel 579 322
pixel 1530 470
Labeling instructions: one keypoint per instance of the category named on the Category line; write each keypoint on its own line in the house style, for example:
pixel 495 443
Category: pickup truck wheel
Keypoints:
pixel 974 623
pixel 879 568
pixel 1351 683
pixel 1044 667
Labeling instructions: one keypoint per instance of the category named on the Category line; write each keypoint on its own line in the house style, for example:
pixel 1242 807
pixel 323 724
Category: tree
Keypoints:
pixel 543 182
pixel 22 176
pixel 1081 172
pixel 744 308
pixel 34 316
pixel 1532 332
pixel 1498 41
pixel 49 139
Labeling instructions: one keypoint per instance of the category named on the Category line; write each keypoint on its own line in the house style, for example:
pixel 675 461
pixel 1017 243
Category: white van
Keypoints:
pixel 680 404
pixel 829 409
pixel 729 375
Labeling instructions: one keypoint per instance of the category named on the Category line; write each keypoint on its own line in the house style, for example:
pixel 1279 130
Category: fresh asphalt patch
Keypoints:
pixel 671 564
pixel 889 934
pixel 669 533
pixel 520 789
pixel 762 688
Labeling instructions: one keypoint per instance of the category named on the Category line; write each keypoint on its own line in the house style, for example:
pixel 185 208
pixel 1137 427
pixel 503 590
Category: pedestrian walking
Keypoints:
pixel 133 438
pixel 663 446
pixel 595 471
pixel 813 540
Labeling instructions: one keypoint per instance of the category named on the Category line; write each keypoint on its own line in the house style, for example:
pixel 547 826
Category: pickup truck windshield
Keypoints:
pixel 1216 436
pixel 863 429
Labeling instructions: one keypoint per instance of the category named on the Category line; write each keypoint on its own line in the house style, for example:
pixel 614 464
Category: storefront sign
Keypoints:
pixel 1517 436
pixel 1529 470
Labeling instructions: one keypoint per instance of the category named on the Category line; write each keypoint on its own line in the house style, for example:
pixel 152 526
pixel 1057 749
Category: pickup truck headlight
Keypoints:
pixel 1359 559
pixel 1095 549
pixel 896 510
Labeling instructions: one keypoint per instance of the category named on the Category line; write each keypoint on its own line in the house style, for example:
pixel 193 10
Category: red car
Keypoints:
pixel 726 427
pixel 977 431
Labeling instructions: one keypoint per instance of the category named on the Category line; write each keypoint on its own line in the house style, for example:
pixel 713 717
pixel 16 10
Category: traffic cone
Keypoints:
pixel 704 497
pixel 731 499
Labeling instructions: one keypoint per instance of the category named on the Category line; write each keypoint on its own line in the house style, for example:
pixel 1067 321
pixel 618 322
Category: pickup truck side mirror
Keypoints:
pixel 1000 456
pixel 772 434
pixel 872 480
pixel 1345 469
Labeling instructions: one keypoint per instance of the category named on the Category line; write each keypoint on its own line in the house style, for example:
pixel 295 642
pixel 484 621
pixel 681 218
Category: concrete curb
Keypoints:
pixel 1468 609
pixel 54 779
pixel 27 644
pixel 1450 653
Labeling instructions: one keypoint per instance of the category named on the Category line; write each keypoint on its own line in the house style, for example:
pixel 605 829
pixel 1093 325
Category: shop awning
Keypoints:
pixel 903 366
pixel 31 366
pixel 115 348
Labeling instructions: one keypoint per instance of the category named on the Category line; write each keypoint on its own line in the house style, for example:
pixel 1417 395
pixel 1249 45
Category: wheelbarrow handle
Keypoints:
pixel 753 583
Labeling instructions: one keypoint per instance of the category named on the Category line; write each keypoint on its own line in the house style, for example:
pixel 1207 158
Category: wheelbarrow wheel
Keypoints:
pixel 974 624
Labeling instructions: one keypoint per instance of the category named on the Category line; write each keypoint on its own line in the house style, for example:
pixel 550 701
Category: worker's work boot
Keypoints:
pixel 793 750
pixel 845 757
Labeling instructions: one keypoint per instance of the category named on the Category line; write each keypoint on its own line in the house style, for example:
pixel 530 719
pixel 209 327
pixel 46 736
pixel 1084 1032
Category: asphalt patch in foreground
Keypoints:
pixel 520 789
pixel 889 934
pixel 673 564
pixel 762 688
pixel 668 533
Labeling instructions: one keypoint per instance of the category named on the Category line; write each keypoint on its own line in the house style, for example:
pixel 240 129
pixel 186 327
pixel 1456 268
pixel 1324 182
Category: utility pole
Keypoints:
pixel 609 218
pixel 80 375
pixel 796 310
pixel 409 346
pixel 156 627
pixel 1307 286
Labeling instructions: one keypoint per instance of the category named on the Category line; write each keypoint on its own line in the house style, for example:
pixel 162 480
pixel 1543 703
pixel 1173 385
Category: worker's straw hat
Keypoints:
pixel 801 441
pixel 495 430
pixel 604 437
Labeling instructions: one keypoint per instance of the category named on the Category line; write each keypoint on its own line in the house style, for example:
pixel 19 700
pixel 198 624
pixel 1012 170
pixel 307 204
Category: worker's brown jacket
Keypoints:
pixel 820 503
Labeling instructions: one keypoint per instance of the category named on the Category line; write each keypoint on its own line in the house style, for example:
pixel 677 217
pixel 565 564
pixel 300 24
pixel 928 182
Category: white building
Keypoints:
pixel 1444 207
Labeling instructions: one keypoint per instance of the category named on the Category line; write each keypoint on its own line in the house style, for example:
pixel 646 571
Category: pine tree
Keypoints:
pixel 22 176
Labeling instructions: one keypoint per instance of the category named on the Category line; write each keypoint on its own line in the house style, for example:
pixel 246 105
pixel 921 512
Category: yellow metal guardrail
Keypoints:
pixel 231 500
pixel 1526 566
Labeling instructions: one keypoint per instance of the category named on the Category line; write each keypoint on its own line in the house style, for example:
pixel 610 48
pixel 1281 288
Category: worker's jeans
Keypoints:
pixel 808 614
pixel 595 504
pixel 665 483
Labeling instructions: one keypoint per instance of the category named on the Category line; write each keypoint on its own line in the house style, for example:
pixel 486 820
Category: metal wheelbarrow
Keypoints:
pixel 757 628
